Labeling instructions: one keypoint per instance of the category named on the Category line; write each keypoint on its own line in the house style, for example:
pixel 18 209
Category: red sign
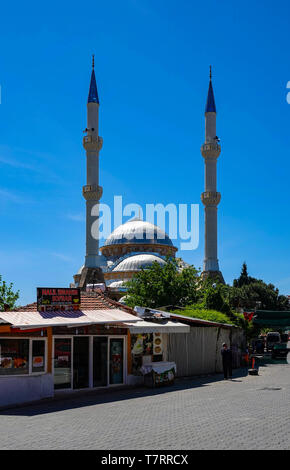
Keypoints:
pixel 56 297
pixel 248 315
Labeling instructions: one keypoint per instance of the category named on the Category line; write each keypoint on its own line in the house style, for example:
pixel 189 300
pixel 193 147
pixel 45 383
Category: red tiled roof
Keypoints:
pixel 89 301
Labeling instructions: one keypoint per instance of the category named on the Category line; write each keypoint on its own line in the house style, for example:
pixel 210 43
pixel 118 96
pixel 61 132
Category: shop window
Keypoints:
pixel 14 356
pixel 141 345
pixel 100 361
pixel 62 363
pixel 38 356
pixel 116 361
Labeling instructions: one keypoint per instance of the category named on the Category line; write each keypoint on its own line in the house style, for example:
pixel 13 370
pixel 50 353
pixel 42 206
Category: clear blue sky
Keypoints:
pixel 152 59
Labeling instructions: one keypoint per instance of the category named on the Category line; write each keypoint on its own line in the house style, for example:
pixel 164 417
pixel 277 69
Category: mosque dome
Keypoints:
pixel 137 262
pixel 80 270
pixel 137 231
pixel 116 284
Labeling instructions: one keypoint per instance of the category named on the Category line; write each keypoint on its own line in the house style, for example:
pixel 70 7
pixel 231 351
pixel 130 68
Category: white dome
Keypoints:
pixel 81 269
pixel 137 262
pixel 115 284
pixel 138 231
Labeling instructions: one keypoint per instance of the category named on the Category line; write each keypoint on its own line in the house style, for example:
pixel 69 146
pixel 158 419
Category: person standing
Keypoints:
pixel 227 361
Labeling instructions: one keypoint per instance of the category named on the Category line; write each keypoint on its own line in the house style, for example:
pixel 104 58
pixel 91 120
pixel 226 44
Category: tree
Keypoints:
pixel 164 285
pixel 258 294
pixel 249 292
pixel 8 297
pixel 244 278
pixel 213 295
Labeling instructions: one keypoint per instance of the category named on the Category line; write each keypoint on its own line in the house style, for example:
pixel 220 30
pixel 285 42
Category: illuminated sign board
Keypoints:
pixel 56 297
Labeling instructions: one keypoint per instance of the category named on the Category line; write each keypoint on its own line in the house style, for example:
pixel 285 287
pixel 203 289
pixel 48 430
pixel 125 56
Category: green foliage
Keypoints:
pixel 215 295
pixel 198 311
pixel 166 285
pixel 244 278
pixel 258 294
pixel 8 297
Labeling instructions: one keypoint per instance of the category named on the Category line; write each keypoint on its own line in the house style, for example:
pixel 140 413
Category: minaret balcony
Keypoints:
pixel 210 150
pixel 92 192
pixel 210 198
pixel 92 143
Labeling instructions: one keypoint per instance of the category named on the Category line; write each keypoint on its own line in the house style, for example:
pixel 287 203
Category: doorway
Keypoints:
pixel 116 361
pixel 81 362
pixel 100 361
pixel 62 363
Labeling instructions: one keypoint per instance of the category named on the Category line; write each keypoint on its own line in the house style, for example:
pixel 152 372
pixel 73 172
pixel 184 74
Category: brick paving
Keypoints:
pixel 206 413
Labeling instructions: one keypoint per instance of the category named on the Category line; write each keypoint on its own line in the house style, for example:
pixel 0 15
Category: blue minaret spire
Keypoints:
pixel 210 103
pixel 93 93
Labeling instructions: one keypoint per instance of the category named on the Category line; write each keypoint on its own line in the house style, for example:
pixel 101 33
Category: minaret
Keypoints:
pixel 210 151
pixel 92 192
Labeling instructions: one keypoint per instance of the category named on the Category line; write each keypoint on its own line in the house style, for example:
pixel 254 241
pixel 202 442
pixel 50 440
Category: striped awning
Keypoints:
pixel 35 319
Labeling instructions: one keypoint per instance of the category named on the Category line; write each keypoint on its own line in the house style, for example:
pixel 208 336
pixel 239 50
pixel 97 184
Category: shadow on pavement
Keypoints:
pixel 266 359
pixel 97 397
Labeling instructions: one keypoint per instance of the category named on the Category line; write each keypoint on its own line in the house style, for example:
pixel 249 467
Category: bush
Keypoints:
pixel 196 311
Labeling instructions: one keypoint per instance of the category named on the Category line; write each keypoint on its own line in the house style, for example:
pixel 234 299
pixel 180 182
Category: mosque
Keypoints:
pixel 128 250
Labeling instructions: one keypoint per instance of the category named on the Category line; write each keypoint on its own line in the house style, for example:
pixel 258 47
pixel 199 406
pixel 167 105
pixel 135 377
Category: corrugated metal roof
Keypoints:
pixel 67 318
pixel 200 321
pixel 151 327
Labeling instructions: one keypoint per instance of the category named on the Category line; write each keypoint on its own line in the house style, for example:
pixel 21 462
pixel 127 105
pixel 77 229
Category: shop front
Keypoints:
pixel 89 361
pixel 55 351
pixel 149 363
pixel 24 368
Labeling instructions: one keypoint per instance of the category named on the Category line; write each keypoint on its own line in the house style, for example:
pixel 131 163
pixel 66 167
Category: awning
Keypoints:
pixel 34 319
pixel 269 314
pixel 164 327
pixel 272 318
pixel 271 323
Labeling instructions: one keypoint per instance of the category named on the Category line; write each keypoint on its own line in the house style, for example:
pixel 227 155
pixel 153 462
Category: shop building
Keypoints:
pixel 196 350
pixel 44 353
pixel 104 344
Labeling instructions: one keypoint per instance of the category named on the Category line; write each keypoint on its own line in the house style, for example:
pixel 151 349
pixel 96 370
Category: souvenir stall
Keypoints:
pixel 148 346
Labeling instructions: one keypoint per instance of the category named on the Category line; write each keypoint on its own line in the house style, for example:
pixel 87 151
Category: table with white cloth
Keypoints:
pixel 158 373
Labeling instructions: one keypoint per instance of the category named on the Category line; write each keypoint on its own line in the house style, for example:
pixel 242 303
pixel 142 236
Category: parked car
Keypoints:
pixel 273 337
pixel 280 350
pixel 284 338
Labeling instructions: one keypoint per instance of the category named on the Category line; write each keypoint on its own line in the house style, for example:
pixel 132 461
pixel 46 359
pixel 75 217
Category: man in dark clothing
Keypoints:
pixel 227 361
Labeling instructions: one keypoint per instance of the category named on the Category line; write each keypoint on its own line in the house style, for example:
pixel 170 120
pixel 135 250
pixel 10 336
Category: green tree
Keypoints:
pixel 258 294
pixel 8 297
pixel 244 278
pixel 215 296
pixel 249 293
pixel 164 285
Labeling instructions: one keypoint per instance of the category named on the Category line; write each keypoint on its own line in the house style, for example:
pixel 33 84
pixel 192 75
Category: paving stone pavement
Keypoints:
pixel 207 413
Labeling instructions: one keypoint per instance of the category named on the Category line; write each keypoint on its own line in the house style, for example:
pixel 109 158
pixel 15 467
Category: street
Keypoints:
pixel 249 412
